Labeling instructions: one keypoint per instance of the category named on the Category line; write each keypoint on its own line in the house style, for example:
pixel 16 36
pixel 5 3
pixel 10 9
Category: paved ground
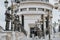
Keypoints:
pixel 55 36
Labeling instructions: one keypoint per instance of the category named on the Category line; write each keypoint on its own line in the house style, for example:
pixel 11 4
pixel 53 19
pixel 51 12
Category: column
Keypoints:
pixel 50 23
pixel 44 23
pixel 51 28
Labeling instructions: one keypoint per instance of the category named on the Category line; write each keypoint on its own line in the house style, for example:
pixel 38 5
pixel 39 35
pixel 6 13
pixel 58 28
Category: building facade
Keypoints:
pixel 36 19
pixel 34 12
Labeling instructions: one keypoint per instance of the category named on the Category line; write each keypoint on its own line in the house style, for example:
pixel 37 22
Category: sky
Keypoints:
pixel 55 12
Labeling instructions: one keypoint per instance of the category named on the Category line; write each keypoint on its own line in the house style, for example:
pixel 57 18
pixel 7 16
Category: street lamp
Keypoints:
pixel 16 23
pixel 7 19
pixel 12 14
pixel 10 9
pixel 7 15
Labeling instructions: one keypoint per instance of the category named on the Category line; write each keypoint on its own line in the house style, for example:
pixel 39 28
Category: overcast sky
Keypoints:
pixel 56 13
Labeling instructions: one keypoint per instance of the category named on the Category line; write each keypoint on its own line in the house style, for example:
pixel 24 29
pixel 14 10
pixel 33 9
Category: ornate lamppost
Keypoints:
pixel 11 15
pixel 11 10
pixel 7 15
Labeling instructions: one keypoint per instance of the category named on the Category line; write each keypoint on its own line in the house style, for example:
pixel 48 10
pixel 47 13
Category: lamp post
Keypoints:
pixel 7 19
pixel 11 8
pixel 12 14
pixel 7 15
pixel 16 23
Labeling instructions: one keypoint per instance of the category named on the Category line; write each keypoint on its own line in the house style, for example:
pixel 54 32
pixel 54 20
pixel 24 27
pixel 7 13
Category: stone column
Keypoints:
pixel 50 23
pixel 44 23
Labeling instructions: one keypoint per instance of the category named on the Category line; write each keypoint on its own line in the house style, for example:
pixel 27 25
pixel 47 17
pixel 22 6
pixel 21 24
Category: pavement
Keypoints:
pixel 54 36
